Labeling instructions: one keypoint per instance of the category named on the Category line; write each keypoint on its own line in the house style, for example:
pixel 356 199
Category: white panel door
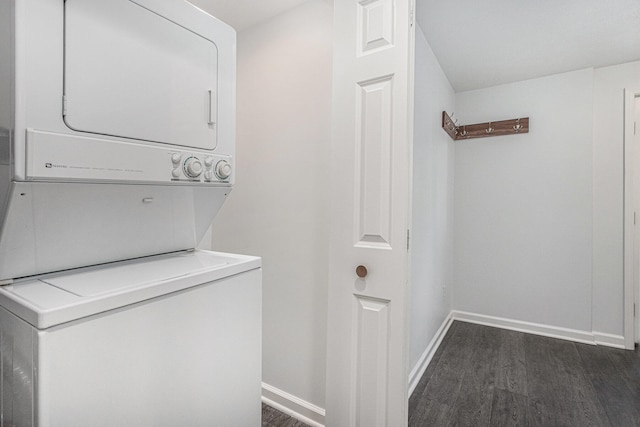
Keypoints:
pixel 131 72
pixel 372 133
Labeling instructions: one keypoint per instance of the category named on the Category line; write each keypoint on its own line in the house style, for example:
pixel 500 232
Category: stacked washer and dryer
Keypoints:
pixel 117 143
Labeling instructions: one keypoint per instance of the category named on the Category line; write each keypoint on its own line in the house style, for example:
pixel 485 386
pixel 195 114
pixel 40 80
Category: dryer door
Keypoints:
pixel 132 73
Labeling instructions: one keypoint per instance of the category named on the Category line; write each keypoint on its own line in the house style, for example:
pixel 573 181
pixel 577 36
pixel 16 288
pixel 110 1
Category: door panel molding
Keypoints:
pixel 371 315
pixel 374 138
pixel 375 25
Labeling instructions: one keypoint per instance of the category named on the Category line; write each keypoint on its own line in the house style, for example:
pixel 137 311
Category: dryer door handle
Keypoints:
pixel 213 107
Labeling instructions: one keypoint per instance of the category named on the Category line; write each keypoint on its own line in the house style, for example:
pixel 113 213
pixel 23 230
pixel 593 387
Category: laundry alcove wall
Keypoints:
pixel 279 207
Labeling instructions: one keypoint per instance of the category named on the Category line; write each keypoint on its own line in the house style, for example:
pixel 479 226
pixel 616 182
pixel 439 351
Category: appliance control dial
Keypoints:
pixel 223 169
pixel 176 157
pixel 192 167
pixel 208 162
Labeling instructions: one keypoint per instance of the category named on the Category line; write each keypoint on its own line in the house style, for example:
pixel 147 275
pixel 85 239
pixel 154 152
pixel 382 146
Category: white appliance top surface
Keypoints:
pixel 53 299
pixel 128 276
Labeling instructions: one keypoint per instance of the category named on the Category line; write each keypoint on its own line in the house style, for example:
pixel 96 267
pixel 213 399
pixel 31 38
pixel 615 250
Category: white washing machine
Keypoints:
pixel 169 340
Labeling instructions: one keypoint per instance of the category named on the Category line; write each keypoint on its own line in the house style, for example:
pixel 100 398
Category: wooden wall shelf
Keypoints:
pixel 484 130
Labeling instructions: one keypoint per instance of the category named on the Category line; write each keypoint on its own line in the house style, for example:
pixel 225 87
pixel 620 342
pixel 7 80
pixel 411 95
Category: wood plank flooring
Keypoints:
pixel 273 418
pixel 483 376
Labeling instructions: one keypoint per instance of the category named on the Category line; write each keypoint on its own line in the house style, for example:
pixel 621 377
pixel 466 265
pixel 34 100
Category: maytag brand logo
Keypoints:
pixel 51 165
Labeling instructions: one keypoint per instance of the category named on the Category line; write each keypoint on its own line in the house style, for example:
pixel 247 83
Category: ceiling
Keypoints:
pixel 491 42
pixel 242 14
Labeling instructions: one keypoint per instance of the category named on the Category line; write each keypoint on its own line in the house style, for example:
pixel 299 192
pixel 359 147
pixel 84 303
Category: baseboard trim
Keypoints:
pixel 299 409
pixel 418 371
pixel 527 327
pixel 584 337
pixel 610 340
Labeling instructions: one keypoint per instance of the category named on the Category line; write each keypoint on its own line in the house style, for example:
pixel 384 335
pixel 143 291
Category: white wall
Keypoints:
pixel 608 191
pixel 432 210
pixel 279 206
pixel 523 204
pixel 6 71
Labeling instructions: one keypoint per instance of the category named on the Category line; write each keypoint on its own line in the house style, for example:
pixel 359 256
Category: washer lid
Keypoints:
pixel 54 299
pixel 134 275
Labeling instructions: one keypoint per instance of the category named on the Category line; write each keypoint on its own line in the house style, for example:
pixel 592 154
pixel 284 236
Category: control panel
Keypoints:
pixel 198 167
pixel 52 156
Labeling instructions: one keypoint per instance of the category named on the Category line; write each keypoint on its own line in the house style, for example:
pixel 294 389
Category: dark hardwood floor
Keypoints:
pixel 273 418
pixel 483 376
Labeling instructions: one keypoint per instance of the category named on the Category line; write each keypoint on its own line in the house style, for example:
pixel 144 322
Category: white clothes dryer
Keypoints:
pixel 117 130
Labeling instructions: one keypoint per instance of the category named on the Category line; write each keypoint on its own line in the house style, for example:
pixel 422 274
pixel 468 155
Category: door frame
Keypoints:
pixel 630 202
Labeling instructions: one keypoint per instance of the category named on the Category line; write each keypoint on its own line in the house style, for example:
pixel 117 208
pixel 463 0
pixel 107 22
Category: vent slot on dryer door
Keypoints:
pixel 131 73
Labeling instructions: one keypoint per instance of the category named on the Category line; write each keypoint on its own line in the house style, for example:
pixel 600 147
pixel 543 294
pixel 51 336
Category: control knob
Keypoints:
pixel 175 158
pixel 192 167
pixel 223 170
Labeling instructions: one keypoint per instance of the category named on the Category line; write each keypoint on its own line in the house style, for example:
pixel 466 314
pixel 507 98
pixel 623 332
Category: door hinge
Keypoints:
pixel 408 238
pixel 64 105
